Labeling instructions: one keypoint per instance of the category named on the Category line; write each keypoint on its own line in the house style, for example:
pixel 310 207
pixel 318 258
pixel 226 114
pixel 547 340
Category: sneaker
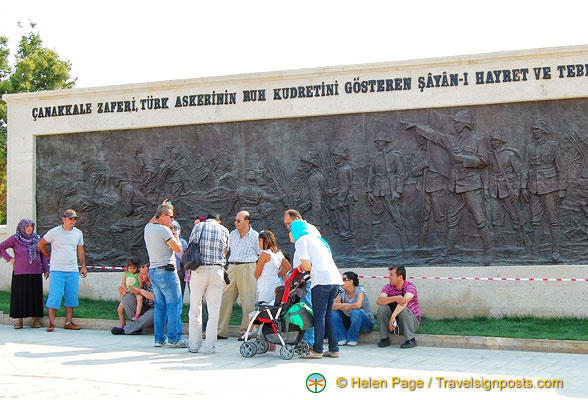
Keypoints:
pixel 342 342
pixel 409 344
pixel 191 350
pixel 179 344
pixel 384 342
pixel 204 351
pixel 351 343
pixel 117 331
pixel 159 344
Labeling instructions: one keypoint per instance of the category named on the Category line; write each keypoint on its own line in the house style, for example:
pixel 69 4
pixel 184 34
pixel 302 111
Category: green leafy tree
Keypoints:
pixel 36 68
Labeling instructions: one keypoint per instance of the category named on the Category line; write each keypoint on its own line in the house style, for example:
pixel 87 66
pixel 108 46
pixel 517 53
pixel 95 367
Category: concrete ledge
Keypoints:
pixel 464 342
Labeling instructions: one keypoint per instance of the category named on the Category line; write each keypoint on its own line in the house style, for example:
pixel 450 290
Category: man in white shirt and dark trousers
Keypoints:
pixel 208 279
pixel 245 250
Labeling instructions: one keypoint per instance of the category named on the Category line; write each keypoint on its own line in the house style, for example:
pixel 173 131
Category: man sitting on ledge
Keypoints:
pixel 145 320
pixel 398 309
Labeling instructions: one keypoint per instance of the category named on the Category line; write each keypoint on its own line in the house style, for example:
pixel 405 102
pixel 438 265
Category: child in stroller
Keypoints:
pixel 282 323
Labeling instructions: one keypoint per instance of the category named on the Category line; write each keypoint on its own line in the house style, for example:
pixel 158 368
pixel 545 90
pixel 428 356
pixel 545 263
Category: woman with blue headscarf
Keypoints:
pixel 26 293
pixel 314 254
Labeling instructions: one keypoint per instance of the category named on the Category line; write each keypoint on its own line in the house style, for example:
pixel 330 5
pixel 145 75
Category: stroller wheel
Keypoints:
pixel 262 345
pixel 287 352
pixel 248 349
pixel 302 348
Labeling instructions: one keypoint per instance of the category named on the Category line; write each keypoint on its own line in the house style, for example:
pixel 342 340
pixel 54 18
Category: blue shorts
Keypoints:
pixel 60 284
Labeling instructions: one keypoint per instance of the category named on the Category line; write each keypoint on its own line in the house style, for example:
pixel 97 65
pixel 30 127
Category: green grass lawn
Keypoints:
pixel 512 327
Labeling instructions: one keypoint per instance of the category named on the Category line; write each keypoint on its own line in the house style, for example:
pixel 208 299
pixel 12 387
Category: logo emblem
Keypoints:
pixel 316 383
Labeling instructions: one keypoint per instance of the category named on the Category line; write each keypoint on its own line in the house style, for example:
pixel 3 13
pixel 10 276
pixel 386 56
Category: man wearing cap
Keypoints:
pixel 469 156
pixel 504 181
pixel 67 247
pixel 544 182
pixel 385 185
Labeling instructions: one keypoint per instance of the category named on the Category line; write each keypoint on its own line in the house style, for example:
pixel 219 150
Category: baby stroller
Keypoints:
pixel 283 323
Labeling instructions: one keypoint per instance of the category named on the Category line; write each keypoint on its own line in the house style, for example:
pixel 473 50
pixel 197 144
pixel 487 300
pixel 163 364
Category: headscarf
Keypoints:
pixel 300 228
pixel 30 241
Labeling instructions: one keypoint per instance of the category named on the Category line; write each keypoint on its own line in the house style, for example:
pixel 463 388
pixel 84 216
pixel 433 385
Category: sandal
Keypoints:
pixel 50 327
pixel 18 325
pixel 36 324
pixel 311 355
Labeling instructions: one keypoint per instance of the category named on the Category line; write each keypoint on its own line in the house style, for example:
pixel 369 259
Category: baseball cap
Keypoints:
pixel 70 214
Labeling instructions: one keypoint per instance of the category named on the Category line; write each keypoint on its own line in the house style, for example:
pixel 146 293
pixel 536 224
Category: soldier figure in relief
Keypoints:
pixel 469 157
pixel 385 187
pixel 544 186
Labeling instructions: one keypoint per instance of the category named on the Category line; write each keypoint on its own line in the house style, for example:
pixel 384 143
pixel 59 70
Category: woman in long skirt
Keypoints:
pixel 26 294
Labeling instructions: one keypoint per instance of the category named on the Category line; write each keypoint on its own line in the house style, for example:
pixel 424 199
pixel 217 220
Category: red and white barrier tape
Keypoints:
pixel 431 278
pixel 450 278
pixel 105 268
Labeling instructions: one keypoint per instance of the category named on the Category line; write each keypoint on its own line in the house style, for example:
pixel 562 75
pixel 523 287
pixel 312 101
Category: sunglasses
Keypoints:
pixel 72 218
pixel 346 279
pixel 171 216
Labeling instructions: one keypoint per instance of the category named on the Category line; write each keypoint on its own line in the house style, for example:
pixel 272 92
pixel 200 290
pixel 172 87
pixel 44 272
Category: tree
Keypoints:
pixel 36 68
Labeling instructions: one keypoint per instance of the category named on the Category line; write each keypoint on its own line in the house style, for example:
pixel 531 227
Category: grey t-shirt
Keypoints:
pixel 365 307
pixel 156 237
pixel 64 248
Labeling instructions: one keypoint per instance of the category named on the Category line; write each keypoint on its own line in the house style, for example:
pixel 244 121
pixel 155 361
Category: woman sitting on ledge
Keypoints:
pixel 352 313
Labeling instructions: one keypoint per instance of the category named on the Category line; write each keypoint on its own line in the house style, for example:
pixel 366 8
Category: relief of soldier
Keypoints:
pixel 431 168
pixel 544 183
pixel 504 188
pixel 469 156
pixel 385 185
pixel 340 193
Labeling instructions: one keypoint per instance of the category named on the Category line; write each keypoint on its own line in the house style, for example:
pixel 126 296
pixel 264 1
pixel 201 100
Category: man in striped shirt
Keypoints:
pixel 398 307
pixel 244 252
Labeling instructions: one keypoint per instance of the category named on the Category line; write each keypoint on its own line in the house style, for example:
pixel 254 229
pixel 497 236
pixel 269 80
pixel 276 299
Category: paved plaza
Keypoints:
pixel 91 364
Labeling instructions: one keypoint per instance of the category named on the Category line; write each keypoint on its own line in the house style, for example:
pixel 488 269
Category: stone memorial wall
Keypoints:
pixel 445 165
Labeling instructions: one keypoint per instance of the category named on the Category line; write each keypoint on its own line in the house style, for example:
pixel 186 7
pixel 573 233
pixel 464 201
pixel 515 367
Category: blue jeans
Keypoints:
pixel 349 328
pixel 323 297
pixel 168 305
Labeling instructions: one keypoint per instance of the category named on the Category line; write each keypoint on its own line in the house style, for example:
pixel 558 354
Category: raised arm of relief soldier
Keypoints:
pixel 442 139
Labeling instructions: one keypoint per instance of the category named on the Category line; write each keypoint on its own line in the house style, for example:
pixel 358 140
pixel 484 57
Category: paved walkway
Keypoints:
pixel 90 364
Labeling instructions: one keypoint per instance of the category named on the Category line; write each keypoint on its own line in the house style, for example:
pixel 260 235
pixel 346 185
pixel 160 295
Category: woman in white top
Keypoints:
pixel 271 267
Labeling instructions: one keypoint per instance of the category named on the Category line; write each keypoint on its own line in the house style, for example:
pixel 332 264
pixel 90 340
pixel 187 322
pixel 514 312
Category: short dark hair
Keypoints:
pixel 400 270
pixel 353 276
pixel 133 260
